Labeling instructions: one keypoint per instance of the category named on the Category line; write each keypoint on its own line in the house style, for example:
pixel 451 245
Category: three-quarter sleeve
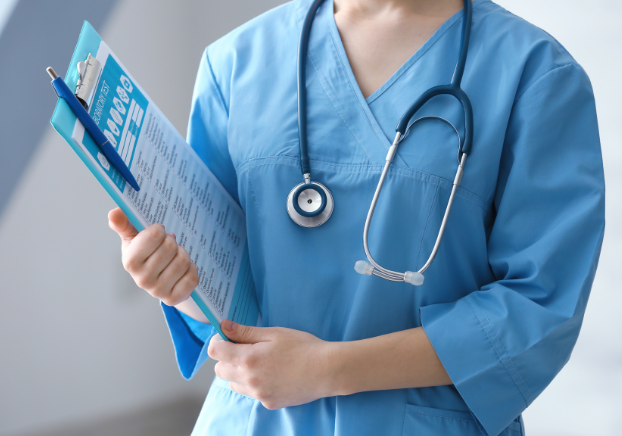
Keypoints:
pixel 504 343
pixel 190 339
pixel 207 135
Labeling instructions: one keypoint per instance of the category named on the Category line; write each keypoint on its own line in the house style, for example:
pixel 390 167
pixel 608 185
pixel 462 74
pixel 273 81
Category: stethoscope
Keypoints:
pixel 310 204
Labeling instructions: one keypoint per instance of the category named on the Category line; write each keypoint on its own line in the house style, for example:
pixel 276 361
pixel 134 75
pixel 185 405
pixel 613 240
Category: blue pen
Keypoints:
pixel 63 91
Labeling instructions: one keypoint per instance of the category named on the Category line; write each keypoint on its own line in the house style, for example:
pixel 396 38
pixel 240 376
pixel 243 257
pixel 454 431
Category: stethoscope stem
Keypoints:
pixel 378 270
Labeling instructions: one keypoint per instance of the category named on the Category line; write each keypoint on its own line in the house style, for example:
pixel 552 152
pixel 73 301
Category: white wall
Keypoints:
pixel 77 339
pixel 586 398
pixel 6 8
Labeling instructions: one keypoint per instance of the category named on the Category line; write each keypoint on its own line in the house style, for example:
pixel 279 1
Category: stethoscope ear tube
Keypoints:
pixel 414 278
pixel 313 191
pixel 458 94
pixel 464 148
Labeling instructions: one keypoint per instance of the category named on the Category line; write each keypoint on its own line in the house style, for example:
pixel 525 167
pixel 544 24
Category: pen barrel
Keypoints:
pixel 89 124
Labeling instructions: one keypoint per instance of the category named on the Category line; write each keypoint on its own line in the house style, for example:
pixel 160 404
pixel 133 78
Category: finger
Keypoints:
pixel 162 256
pixel 244 334
pixel 143 245
pixel 185 285
pixel 241 389
pixel 173 273
pixel 118 221
pixel 225 351
pixel 229 372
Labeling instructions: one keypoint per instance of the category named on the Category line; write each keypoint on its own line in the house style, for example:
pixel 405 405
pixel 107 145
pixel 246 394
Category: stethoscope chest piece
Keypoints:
pixel 310 204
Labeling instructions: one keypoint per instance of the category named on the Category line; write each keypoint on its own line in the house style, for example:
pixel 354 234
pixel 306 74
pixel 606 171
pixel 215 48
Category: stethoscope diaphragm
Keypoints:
pixel 310 204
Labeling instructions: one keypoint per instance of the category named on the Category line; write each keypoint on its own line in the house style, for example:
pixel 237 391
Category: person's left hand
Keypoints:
pixel 278 366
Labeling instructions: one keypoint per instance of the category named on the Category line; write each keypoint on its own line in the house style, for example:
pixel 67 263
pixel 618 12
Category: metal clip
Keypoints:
pixel 88 72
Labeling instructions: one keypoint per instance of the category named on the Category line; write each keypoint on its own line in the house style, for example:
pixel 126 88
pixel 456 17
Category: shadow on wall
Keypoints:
pixel 31 40
pixel 173 418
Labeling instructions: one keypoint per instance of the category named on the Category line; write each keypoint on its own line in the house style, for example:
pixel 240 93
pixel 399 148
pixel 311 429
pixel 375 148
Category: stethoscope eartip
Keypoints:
pixel 363 267
pixel 414 278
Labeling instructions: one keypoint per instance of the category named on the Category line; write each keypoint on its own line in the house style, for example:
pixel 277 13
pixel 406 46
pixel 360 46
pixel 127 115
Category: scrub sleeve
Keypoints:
pixel 190 337
pixel 543 249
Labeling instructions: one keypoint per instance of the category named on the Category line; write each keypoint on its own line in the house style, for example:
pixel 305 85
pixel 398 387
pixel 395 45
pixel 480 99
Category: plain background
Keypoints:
pixel 80 344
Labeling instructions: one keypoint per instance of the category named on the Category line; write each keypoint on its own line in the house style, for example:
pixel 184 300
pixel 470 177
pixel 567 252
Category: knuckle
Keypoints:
pixel 251 362
pixel 148 281
pixel 194 279
pixel 159 292
pixel 191 278
pixel 174 300
pixel 155 231
pixel 212 349
pixel 269 404
pixel 211 352
pixel 129 263
pixel 184 261
pixel 156 292
pixel 170 245
pixel 254 382
pixel 182 293
pixel 141 281
pixel 166 299
pixel 217 370
pixel 243 361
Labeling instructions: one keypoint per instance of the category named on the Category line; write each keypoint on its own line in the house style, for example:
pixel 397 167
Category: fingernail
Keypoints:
pixel 229 325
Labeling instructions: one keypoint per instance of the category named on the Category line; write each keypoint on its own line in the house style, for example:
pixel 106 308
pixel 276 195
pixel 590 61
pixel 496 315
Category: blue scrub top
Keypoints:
pixel 504 300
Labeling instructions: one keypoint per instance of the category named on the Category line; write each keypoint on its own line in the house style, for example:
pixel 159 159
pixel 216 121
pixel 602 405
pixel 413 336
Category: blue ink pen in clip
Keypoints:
pixel 63 91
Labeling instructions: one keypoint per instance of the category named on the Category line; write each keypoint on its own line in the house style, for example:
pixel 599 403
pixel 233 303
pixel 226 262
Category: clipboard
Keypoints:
pixel 226 289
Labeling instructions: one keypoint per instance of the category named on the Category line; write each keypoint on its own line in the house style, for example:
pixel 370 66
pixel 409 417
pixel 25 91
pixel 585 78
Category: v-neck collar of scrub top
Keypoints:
pixel 328 58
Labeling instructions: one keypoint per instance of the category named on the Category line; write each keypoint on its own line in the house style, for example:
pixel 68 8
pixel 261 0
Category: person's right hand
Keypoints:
pixel 154 260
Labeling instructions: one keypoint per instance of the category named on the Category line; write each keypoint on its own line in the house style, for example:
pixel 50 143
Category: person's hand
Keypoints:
pixel 154 260
pixel 278 366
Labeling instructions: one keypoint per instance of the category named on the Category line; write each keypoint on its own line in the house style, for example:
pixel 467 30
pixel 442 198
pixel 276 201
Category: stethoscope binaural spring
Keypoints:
pixel 310 204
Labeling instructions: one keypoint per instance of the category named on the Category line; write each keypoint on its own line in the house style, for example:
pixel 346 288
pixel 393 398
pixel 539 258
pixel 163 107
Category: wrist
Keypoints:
pixel 190 308
pixel 338 357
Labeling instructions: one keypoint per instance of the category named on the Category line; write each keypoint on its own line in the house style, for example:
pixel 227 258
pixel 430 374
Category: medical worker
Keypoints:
pixel 501 306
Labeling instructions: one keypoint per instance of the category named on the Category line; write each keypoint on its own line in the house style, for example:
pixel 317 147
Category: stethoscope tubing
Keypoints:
pixel 394 275
pixel 464 146
pixel 455 92
pixel 301 85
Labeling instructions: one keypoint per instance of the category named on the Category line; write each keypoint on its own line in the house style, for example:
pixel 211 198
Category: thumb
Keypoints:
pixel 243 334
pixel 120 224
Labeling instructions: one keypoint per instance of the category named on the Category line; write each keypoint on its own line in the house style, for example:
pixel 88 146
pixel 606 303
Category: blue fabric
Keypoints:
pixel 190 338
pixel 504 300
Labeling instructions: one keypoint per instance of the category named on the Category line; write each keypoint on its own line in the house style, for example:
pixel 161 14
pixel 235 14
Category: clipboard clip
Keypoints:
pixel 100 139
pixel 88 74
